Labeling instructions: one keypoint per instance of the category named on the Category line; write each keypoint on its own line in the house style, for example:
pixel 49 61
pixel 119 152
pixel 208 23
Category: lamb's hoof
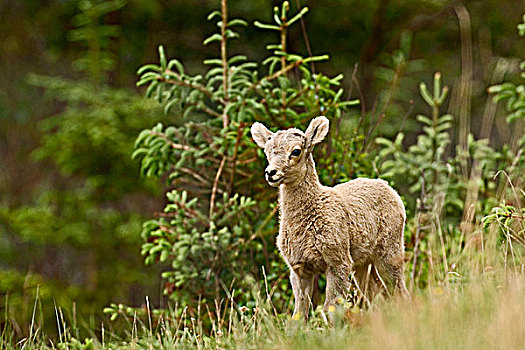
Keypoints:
pixel 335 312
pixel 354 317
pixel 299 316
pixel 331 315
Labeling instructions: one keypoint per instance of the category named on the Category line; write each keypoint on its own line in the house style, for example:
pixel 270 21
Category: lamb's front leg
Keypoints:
pixel 337 284
pixel 302 286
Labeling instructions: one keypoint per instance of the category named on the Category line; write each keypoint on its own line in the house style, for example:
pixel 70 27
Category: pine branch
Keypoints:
pixel 215 184
pixel 171 143
pixel 182 83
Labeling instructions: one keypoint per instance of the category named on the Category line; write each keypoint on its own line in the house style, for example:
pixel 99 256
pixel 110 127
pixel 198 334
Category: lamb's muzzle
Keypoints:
pixel 273 178
pixel 337 230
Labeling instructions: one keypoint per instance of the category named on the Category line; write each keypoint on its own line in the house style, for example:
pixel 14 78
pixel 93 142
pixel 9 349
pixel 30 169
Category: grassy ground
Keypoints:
pixel 484 313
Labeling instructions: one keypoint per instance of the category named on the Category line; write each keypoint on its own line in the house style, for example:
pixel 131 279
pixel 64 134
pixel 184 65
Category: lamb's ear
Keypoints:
pixel 316 131
pixel 260 134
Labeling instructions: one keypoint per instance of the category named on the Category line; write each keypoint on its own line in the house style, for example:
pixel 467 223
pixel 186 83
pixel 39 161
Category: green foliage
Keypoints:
pixel 445 190
pixel 514 95
pixel 95 36
pixel 31 302
pixel 395 79
pixel 90 138
pixel 425 170
pixel 507 224
pixel 217 229
pixel 191 239
pixel 424 165
pixel 508 217
pixel 448 192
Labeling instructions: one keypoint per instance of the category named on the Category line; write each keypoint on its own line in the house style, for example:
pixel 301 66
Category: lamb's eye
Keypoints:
pixel 296 152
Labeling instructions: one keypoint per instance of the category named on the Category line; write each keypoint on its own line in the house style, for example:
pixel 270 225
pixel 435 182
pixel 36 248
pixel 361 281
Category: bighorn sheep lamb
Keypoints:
pixel 333 230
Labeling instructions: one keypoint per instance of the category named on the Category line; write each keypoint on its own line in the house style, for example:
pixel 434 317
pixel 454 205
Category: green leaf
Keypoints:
pixel 213 38
pixel 349 103
pixel 151 88
pixel 146 80
pixel 214 14
pixel 174 62
pixel 162 57
pixel 213 62
pixel 443 96
pixel 160 91
pixel 230 34
pixel 236 59
pixel 146 67
pixel 265 26
pixel 424 119
pixel 303 11
pixel 164 255
pixel 437 85
pixel 169 105
pixel 426 94
pixel 138 152
pixel 317 58
pixel 237 22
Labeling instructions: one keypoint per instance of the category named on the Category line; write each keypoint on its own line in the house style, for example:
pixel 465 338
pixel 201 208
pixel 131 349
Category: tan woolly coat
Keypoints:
pixel 358 221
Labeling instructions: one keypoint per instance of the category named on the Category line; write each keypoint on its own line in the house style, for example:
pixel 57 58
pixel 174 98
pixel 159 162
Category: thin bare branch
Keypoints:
pixel 183 83
pixel 195 175
pixel 305 36
pixel 215 184
pixel 171 143
pixel 283 70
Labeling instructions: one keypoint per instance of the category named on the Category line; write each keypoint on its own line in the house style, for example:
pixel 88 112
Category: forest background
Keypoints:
pixel 79 216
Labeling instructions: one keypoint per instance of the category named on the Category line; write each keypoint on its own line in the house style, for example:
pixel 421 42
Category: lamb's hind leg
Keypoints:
pixel 391 270
pixel 315 292
pixel 302 286
pixel 399 281
pixel 366 279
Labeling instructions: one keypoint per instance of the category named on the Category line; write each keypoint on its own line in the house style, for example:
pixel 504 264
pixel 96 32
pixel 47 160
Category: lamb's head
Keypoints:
pixel 288 151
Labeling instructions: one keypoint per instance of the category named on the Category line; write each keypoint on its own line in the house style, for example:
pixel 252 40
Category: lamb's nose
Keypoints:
pixel 271 172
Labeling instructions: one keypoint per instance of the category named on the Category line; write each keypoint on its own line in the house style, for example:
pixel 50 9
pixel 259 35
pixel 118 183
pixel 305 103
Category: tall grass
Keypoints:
pixel 487 312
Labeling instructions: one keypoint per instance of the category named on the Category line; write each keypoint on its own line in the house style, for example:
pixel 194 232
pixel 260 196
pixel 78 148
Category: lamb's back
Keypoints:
pixel 376 214
pixel 373 194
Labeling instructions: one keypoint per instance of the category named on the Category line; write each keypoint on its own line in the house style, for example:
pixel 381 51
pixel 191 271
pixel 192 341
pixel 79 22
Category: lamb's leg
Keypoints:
pixel 366 279
pixel 316 292
pixel 303 286
pixel 392 270
pixel 399 281
pixel 337 284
